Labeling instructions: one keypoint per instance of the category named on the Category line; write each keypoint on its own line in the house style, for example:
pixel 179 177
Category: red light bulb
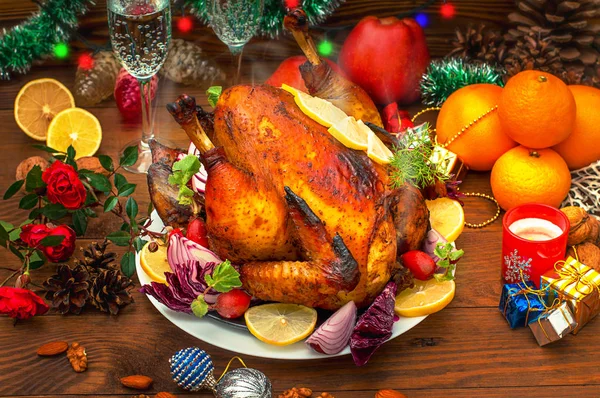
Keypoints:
pixel 185 24
pixel 447 10
pixel 85 61
pixel 290 4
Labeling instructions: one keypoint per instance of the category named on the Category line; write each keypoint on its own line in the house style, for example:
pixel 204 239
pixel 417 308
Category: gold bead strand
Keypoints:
pixel 486 222
pixel 468 126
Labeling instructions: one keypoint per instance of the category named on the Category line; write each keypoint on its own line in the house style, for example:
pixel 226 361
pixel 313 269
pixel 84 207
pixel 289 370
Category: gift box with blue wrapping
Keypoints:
pixel 520 303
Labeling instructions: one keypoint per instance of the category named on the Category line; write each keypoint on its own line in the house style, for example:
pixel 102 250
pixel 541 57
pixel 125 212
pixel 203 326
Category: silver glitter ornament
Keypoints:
pixel 192 369
pixel 243 383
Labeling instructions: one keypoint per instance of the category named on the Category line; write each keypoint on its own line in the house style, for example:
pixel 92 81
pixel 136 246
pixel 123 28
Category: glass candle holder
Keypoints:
pixel 534 238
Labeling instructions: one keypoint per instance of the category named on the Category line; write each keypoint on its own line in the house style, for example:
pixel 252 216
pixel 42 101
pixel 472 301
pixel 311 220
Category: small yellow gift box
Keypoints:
pixel 579 286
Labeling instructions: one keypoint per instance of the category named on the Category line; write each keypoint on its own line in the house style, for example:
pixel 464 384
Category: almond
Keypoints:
pixel 389 394
pixel 164 395
pixel 137 382
pixel 53 348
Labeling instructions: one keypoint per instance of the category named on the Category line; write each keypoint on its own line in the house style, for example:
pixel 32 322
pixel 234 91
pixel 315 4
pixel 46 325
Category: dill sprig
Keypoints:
pixel 410 162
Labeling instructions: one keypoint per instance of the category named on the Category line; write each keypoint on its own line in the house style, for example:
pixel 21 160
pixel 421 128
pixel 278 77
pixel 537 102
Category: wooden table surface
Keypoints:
pixel 466 350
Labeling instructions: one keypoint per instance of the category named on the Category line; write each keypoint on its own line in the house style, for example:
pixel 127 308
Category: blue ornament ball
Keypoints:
pixel 192 369
pixel 243 383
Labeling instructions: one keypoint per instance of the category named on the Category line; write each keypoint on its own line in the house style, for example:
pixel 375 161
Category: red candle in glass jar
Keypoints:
pixel 534 238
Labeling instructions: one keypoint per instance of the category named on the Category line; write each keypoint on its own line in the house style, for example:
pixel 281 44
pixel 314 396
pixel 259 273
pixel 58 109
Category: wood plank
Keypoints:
pixel 466 348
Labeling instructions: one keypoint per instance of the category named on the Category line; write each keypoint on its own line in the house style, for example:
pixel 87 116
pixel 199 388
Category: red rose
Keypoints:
pixel 62 252
pixel 32 234
pixel 21 303
pixel 395 120
pixel 64 186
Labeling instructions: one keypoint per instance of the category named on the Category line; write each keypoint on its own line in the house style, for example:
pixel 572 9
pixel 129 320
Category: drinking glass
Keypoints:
pixel 235 22
pixel 140 31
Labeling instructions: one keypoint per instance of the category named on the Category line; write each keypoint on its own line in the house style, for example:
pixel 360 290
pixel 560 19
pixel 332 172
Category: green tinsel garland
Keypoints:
pixel 36 37
pixel 445 76
pixel 274 11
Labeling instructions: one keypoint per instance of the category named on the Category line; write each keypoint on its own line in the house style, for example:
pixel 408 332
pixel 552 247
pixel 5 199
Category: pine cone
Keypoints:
pixel 110 291
pixel 67 291
pixel 95 258
pixel 186 64
pixel 479 44
pixel 96 84
pixel 534 52
pixel 571 26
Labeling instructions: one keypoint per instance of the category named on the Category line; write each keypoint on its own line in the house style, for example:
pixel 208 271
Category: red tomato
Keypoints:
pixel 419 263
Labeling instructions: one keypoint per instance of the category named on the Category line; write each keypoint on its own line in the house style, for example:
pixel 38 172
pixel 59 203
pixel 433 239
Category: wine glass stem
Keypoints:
pixel 236 54
pixel 147 132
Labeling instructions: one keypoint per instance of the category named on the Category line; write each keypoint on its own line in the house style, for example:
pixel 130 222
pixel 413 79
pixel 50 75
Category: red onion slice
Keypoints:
pixel 199 180
pixel 334 334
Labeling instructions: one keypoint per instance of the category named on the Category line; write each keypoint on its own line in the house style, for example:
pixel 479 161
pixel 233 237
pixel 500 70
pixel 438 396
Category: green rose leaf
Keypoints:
pixel 28 202
pixel 106 162
pixel 80 222
pixel 120 180
pixel 129 156
pixel 131 208
pixel 33 180
pixel 224 278
pixel 119 238
pixel 13 189
pixel 54 211
pixel 138 244
pixel 99 181
pixel 71 152
pixel 52 240
pixel 126 189
pixel 46 148
pixel 110 203
pixel 199 307
pixel 36 260
pixel 128 264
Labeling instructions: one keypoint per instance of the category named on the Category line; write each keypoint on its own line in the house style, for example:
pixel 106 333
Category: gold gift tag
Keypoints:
pixel 448 162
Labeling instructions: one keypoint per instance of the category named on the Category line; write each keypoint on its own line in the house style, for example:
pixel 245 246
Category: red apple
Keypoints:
pixel 288 72
pixel 387 58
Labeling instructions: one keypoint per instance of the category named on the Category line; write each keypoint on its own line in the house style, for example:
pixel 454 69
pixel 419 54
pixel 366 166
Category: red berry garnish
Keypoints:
pixel 232 304
pixel 419 263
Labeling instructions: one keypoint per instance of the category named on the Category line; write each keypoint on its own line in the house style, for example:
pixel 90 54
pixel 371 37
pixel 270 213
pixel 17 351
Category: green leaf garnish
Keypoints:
pixel 199 306
pixel 448 257
pixel 183 171
pixel 224 278
pixel 13 189
pixel 410 162
pixel 214 93
pixel 128 264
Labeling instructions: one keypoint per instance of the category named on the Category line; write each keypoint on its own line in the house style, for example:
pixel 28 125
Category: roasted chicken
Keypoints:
pixel 308 220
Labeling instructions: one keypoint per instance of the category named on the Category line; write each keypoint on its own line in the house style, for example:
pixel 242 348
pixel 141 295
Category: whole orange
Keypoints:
pixel 523 175
pixel 481 143
pixel 537 109
pixel 582 147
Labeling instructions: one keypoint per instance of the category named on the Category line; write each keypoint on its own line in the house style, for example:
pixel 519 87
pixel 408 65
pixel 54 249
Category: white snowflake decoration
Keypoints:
pixel 514 265
pixel 585 189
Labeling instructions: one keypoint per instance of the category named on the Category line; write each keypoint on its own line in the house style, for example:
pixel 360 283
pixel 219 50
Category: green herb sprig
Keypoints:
pixel 224 278
pixel 410 161
pixel 183 171
pixel 448 255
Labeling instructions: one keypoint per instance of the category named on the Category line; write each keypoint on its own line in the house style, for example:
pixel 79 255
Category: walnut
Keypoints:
pixel 78 358
pixel 141 396
pixel 587 253
pixel 26 165
pixel 296 393
pixel 325 395
pixel 583 226
pixel 91 163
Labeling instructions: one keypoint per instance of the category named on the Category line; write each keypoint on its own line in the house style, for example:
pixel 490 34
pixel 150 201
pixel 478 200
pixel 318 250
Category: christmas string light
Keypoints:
pixel 61 50
pixel 185 24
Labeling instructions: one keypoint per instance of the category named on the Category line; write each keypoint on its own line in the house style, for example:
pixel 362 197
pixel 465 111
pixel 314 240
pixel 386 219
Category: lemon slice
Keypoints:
pixel 376 150
pixel 292 90
pixel 77 127
pixel 319 110
pixel 348 132
pixel 155 264
pixel 425 298
pixel 37 103
pixel 281 324
pixel 447 217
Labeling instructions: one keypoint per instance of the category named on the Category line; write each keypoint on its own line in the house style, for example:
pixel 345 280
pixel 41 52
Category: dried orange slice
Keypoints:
pixel 77 127
pixel 37 103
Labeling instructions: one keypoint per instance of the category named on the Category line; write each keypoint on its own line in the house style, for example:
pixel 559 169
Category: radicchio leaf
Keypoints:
pixel 374 327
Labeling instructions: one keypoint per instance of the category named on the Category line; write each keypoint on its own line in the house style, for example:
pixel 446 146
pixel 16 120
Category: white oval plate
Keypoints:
pixel 240 341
